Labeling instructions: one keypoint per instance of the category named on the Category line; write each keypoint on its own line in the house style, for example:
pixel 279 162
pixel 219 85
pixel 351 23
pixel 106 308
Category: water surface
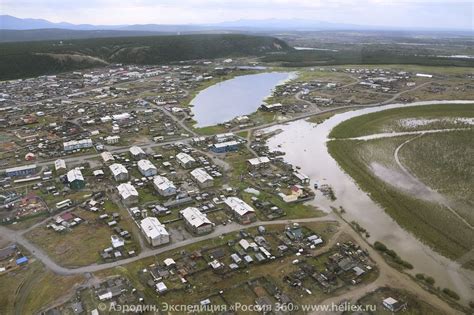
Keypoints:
pixel 305 145
pixel 241 95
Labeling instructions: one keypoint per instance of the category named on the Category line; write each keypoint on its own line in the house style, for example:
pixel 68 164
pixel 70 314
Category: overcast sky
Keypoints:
pixel 399 13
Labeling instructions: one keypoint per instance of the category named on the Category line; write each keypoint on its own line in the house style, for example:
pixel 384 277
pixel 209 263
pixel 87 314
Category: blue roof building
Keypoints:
pixel 22 260
pixel 223 147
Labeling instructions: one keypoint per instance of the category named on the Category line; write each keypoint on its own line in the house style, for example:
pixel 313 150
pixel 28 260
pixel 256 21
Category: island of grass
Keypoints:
pixel 410 118
pixel 393 170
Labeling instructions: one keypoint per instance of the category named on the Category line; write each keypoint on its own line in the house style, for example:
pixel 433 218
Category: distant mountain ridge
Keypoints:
pixel 8 22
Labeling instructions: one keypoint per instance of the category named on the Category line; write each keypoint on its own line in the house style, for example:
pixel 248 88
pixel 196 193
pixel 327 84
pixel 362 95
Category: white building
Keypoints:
pixel 196 221
pixel 393 305
pixel 202 178
pixel 75 179
pixel 119 172
pixel 155 233
pixel 161 287
pixel 147 168
pixel 77 144
pixel 185 160
pixel 223 137
pixel 242 211
pixel 258 162
pixel 128 193
pixel 122 116
pixel 137 153
pixel 107 157
pixel 302 178
pixel 60 165
pixel 164 186
pixel 424 75
pixel 112 139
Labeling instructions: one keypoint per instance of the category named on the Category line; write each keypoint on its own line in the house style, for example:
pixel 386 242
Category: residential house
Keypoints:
pixel 185 160
pixel 107 157
pixel 112 139
pixel 147 168
pixel 155 233
pixel 243 212
pixel 60 166
pixel 75 179
pixel 393 305
pixel 202 178
pixel 164 186
pixel 258 162
pixel 128 193
pixel 137 153
pixel 119 172
pixel 196 221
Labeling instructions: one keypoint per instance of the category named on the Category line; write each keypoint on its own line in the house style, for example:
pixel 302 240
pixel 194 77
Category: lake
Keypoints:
pixel 241 95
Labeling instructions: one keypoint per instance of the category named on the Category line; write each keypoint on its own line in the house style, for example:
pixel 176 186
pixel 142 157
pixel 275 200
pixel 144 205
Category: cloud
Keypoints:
pixel 451 14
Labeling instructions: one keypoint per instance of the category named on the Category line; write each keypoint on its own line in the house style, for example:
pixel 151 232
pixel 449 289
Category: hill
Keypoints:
pixel 67 34
pixel 26 59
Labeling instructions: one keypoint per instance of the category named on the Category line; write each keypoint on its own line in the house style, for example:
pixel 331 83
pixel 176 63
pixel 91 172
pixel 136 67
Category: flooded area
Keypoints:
pixel 241 95
pixel 305 146
pixel 403 133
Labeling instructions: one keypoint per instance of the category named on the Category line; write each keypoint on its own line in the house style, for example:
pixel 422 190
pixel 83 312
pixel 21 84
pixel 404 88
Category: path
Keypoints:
pixel 17 237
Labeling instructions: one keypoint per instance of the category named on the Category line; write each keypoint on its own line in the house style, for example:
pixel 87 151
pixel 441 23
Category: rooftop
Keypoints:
pixel 195 217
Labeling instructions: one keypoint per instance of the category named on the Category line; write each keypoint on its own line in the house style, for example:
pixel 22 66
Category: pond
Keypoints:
pixel 241 95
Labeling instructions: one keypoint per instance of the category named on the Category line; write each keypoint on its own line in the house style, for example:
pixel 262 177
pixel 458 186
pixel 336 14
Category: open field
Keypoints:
pixel 360 55
pixel 80 246
pixel 31 288
pixel 12 283
pixel 405 119
pixel 46 288
pixel 451 173
pixel 429 221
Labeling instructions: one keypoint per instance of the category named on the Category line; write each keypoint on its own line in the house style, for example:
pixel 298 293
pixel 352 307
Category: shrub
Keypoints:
pixel 380 246
pixel 430 280
pixel 451 293
pixel 420 276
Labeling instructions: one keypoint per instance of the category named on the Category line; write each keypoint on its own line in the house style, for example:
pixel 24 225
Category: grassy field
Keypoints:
pixel 80 246
pixel 452 171
pixel 31 288
pixel 389 120
pixel 430 222
pixel 11 283
pixel 360 54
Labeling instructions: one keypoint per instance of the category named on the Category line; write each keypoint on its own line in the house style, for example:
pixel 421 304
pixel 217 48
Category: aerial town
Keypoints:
pixel 214 172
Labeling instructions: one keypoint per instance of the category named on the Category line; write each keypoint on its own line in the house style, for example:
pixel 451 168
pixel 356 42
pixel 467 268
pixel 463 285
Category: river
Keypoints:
pixel 305 146
pixel 241 95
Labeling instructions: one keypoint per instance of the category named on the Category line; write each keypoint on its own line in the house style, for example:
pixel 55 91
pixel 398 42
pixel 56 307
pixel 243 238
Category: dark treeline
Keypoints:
pixel 26 59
